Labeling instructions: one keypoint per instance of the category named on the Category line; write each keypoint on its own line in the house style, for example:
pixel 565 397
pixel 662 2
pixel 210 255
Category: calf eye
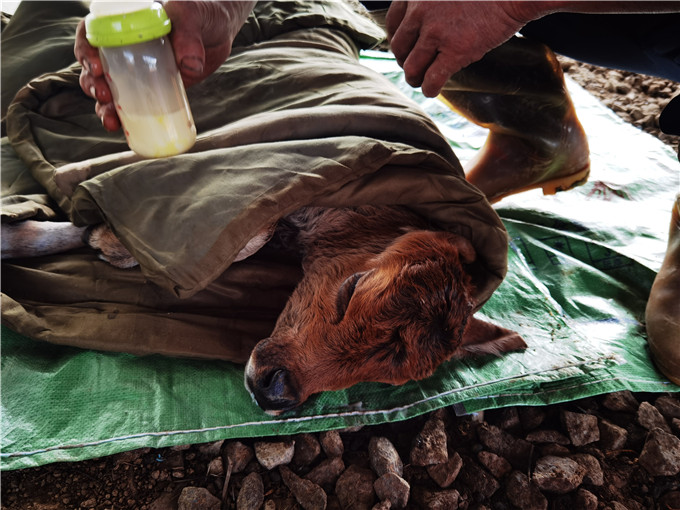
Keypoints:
pixel 345 293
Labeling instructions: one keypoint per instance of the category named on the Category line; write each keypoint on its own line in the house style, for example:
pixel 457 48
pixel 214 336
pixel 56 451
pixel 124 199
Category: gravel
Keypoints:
pixel 518 457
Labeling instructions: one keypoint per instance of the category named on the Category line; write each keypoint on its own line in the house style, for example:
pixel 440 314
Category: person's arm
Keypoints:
pixel 433 40
pixel 201 37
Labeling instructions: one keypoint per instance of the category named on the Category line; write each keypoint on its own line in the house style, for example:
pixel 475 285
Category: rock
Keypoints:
pixel 668 406
pixel 622 401
pixel 307 449
pixel 445 473
pixel 654 89
pixel 163 502
pixel 675 425
pixel 514 450
pixel 197 498
pixel 393 488
pixel 271 455
pixel 524 494
pixel 623 88
pixel 174 459
pixel 496 465
pixel 429 446
pixel 547 436
pixel 612 437
pixel 585 500
pixel 211 450
pixel 480 482
pixel 384 457
pixel 441 500
pixel 615 505
pixel 308 494
pixel 383 505
pixel 661 454
pixel 650 418
pixel 326 473
pixel 593 470
pixel 508 419
pixel 636 113
pixel 331 443
pixel 581 428
pixel 239 454
pixel 558 474
pixel 251 494
pixel 670 500
pixel 354 488
pixel 553 449
pixel 531 417
pixel 216 467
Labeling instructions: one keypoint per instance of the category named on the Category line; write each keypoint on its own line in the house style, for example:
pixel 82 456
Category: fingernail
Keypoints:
pixel 192 64
pixel 93 92
pixel 86 65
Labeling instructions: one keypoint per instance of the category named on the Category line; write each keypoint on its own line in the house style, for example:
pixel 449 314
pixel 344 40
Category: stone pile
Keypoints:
pixel 609 452
pixel 619 451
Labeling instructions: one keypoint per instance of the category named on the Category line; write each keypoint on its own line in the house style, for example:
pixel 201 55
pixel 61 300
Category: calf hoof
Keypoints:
pixel 102 239
pixel 663 307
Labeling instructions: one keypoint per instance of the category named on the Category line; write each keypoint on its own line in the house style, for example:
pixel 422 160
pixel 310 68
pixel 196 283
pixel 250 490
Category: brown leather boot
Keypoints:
pixel 663 307
pixel 517 91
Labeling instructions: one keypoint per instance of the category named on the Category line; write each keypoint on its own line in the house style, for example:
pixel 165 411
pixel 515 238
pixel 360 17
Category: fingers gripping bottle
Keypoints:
pixel 140 68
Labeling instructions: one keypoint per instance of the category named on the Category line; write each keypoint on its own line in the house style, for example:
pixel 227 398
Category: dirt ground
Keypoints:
pixel 478 470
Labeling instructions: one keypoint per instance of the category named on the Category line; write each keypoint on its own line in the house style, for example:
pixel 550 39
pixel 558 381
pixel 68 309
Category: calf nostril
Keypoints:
pixel 274 383
pixel 275 391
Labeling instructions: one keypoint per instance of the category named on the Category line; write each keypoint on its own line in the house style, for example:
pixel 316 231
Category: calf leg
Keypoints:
pixel 34 238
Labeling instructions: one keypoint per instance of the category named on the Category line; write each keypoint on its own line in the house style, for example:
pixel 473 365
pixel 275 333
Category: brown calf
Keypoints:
pixel 383 298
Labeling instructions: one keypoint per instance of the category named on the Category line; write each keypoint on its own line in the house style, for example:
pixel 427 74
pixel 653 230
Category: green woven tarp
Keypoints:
pixel 580 268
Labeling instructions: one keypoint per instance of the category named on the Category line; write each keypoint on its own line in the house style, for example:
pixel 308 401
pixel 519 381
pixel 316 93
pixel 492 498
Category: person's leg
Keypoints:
pixel 535 140
pixel 663 307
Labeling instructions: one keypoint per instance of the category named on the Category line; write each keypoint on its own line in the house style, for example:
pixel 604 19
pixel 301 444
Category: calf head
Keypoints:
pixel 391 317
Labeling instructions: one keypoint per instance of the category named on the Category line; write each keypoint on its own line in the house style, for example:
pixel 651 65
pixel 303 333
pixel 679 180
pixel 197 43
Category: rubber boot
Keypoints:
pixel 518 92
pixel 663 307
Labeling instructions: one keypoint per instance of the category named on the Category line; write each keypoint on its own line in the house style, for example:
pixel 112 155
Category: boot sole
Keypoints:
pixel 552 186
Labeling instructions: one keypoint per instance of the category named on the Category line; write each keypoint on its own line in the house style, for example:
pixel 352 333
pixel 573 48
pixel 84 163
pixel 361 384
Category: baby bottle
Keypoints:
pixel 139 66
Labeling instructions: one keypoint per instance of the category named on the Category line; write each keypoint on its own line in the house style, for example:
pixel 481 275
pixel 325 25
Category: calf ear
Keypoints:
pixel 481 337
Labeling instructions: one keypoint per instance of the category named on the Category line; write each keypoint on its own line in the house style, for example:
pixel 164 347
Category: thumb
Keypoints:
pixel 189 54
pixel 187 39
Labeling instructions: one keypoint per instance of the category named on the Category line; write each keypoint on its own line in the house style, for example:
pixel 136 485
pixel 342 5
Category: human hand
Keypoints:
pixel 433 40
pixel 201 37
